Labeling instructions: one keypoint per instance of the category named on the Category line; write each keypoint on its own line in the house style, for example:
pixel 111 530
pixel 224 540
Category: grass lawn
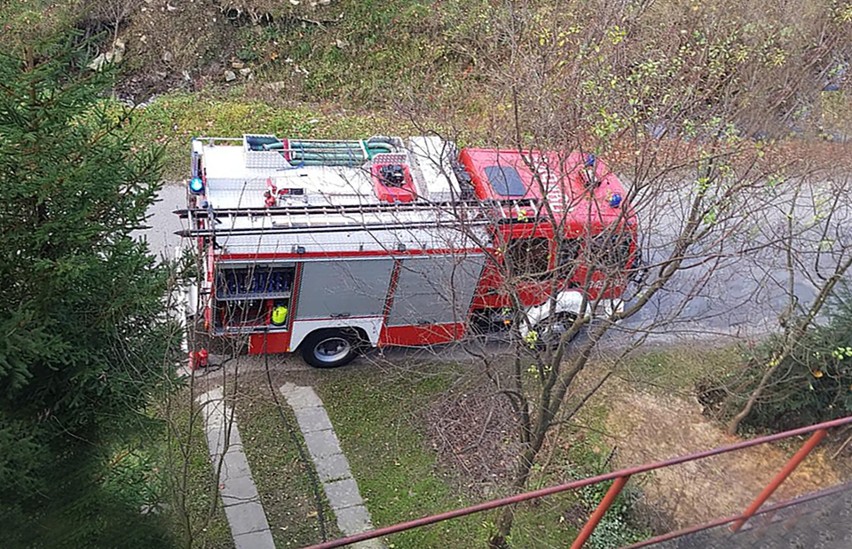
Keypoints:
pixel 677 369
pixel 377 417
pixel 285 486
pixel 173 120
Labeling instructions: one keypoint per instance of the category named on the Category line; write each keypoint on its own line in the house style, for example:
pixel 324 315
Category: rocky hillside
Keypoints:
pixel 355 50
pixel 452 55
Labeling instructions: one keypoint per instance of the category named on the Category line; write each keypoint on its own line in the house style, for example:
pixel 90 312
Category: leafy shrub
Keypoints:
pixel 811 384
pixel 619 526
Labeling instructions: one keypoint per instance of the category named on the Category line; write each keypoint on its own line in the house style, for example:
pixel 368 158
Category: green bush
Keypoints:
pixel 812 384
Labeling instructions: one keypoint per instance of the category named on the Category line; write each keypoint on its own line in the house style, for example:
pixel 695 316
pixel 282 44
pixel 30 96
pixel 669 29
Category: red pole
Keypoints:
pixel 791 465
pixel 603 506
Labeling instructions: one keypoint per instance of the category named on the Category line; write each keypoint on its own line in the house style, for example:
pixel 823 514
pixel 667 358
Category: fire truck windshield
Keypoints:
pixel 506 181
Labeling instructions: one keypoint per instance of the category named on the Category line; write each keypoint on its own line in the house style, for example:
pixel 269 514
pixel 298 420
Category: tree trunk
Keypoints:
pixel 507 516
pixel 734 424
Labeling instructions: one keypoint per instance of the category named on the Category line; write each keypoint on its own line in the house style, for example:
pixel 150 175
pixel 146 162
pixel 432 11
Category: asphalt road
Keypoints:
pixel 163 223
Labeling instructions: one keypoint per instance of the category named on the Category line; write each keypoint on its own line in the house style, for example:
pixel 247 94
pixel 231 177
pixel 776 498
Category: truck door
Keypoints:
pixel 344 288
pixel 435 289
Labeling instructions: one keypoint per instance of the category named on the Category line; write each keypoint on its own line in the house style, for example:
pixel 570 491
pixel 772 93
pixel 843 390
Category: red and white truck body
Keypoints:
pixel 387 242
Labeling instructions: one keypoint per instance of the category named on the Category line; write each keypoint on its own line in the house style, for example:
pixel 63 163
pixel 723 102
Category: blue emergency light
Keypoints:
pixel 615 201
pixel 196 185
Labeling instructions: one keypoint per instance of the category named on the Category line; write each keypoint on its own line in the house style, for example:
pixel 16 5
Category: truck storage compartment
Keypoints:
pixel 254 282
pixel 344 288
pixel 247 294
pixel 236 316
pixel 265 151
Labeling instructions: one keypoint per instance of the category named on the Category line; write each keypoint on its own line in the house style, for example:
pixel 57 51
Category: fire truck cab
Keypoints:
pixel 330 246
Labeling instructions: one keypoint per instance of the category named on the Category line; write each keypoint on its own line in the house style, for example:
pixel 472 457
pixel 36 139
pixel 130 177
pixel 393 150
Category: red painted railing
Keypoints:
pixel 621 477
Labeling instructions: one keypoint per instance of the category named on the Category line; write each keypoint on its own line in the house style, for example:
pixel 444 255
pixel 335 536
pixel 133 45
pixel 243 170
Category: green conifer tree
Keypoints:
pixel 85 341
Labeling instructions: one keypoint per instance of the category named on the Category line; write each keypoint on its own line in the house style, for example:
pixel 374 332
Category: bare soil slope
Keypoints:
pixel 647 427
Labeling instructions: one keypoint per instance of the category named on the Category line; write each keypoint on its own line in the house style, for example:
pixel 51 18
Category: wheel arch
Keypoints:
pixel 366 329
pixel 356 331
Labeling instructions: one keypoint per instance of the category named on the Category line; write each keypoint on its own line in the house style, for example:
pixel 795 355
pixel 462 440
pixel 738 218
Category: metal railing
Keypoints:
pixel 818 432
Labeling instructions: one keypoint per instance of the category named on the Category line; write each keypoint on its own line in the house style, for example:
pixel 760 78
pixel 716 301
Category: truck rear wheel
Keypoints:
pixel 329 348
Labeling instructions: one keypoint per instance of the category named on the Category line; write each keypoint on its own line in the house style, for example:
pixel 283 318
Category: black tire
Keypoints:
pixel 330 348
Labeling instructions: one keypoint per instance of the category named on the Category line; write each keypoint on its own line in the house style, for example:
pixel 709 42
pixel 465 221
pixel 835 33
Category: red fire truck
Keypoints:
pixel 328 246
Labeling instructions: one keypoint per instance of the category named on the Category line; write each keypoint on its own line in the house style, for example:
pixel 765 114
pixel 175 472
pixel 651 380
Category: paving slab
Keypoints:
pixel 342 494
pixel 289 388
pixel 243 510
pixel 312 419
pixel 255 540
pixel 332 467
pixel 322 444
pixel 246 517
pixel 217 418
pixel 239 490
pixel 354 520
pixel 300 397
pixel 234 466
pixel 369 544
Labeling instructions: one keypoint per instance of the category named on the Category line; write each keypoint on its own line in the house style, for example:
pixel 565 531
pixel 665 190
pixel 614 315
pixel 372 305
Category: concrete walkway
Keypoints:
pixel 331 465
pixel 239 494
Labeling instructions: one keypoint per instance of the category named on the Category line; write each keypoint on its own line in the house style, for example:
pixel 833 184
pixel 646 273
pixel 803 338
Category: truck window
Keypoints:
pixel 610 252
pixel 506 181
pixel 529 257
